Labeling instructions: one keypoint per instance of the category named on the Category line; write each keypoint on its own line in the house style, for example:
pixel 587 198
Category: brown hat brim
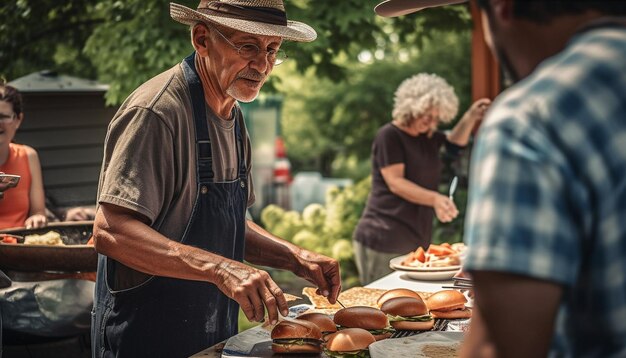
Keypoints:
pixel 393 8
pixel 294 31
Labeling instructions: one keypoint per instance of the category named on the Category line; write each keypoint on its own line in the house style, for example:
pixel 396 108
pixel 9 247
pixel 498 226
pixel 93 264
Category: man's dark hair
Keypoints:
pixel 542 11
pixel 12 95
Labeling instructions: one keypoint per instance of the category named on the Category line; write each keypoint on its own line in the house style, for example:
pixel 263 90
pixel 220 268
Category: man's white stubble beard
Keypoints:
pixel 234 93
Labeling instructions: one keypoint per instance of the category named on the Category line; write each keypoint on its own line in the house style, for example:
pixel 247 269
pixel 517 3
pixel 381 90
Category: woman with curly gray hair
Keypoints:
pixel 406 171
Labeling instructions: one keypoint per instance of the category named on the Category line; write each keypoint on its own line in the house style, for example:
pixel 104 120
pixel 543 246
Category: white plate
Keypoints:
pixel 395 264
pixel 416 346
pixel 429 276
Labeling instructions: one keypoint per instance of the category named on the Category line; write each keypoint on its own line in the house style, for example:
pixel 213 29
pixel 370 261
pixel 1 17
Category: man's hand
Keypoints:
pixel 445 209
pixel 263 248
pixel 36 221
pixel 253 289
pixel 321 271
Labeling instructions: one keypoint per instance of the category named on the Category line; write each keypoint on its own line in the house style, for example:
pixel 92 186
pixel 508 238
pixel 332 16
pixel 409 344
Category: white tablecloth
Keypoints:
pixel 399 279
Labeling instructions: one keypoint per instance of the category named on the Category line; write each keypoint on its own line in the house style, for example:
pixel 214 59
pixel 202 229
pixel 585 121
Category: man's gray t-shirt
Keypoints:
pixel 149 161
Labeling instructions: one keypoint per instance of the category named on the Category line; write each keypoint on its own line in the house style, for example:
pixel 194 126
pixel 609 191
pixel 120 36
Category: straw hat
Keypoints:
pixel 259 17
pixel 393 8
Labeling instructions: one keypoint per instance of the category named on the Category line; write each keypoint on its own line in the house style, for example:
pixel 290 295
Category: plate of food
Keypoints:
pixel 60 247
pixel 443 257
pixel 397 264
pixel 430 276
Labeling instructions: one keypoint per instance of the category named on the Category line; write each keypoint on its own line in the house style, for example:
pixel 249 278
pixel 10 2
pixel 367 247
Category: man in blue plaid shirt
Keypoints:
pixel 546 222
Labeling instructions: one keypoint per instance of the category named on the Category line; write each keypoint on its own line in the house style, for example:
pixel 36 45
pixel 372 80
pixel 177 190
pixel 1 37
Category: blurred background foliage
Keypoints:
pixel 338 90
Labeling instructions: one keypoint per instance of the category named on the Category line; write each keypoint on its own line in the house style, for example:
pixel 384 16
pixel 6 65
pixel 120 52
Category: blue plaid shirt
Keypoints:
pixel 548 189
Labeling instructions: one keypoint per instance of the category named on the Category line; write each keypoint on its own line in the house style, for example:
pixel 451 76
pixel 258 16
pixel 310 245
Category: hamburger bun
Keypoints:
pixel 322 321
pixel 368 318
pixel 294 349
pixel 381 336
pixel 349 340
pixel 396 292
pixel 405 307
pixel 408 307
pixel 449 304
pixel 361 317
pixel 446 300
pixel 454 314
pixel 286 331
pixel 413 326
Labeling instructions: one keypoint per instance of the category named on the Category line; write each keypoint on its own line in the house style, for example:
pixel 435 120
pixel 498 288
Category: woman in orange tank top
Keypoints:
pixel 23 205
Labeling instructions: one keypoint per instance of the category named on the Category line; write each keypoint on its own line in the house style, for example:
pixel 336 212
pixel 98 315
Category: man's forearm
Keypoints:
pixel 263 248
pixel 522 325
pixel 137 245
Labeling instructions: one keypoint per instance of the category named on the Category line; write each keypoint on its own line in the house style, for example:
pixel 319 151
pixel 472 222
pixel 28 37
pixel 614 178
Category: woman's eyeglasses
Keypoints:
pixel 5 118
pixel 251 51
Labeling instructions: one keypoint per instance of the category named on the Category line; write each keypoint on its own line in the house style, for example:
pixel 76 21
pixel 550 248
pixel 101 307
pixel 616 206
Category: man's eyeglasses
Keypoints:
pixel 250 51
pixel 5 118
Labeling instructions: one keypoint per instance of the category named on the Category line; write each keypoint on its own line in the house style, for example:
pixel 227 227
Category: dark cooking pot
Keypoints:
pixel 74 256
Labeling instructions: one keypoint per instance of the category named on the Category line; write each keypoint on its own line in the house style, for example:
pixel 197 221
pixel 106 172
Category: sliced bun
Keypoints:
pixel 446 299
pixel 380 337
pixel 349 340
pixel 288 329
pixel 405 307
pixel 322 321
pixel 413 326
pixel 361 317
pixel 454 314
pixel 396 292
pixel 293 348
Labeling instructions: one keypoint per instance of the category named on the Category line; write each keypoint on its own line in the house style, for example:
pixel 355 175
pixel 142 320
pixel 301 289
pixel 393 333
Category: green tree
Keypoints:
pixel 123 43
pixel 329 125
pixel 46 34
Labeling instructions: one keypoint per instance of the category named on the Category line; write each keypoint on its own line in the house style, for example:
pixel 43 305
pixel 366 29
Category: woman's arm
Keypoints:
pixel 411 192
pixel 461 133
pixel 37 213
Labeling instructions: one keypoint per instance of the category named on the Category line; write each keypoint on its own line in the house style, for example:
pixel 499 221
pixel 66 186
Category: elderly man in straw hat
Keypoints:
pixel 173 193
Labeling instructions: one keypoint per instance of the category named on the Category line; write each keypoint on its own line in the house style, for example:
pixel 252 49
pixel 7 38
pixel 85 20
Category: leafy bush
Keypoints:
pixel 326 229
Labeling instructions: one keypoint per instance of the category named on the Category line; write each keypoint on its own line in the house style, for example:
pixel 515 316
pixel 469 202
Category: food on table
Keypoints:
pixel 436 256
pixel 355 296
pixel 396 292
pixel 368 318
pixel 296 336
pixel 448 304
pixel 291 298
pixel 349 342
pixel 322 321
pixel 7 239
pixel 408 313
pixel 434 350
pixel 49 238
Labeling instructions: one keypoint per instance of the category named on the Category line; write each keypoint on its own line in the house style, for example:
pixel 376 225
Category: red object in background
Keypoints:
pixel 8 239
pixel 282 166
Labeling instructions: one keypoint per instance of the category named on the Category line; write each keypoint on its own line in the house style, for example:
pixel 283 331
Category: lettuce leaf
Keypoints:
pixel 422 318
